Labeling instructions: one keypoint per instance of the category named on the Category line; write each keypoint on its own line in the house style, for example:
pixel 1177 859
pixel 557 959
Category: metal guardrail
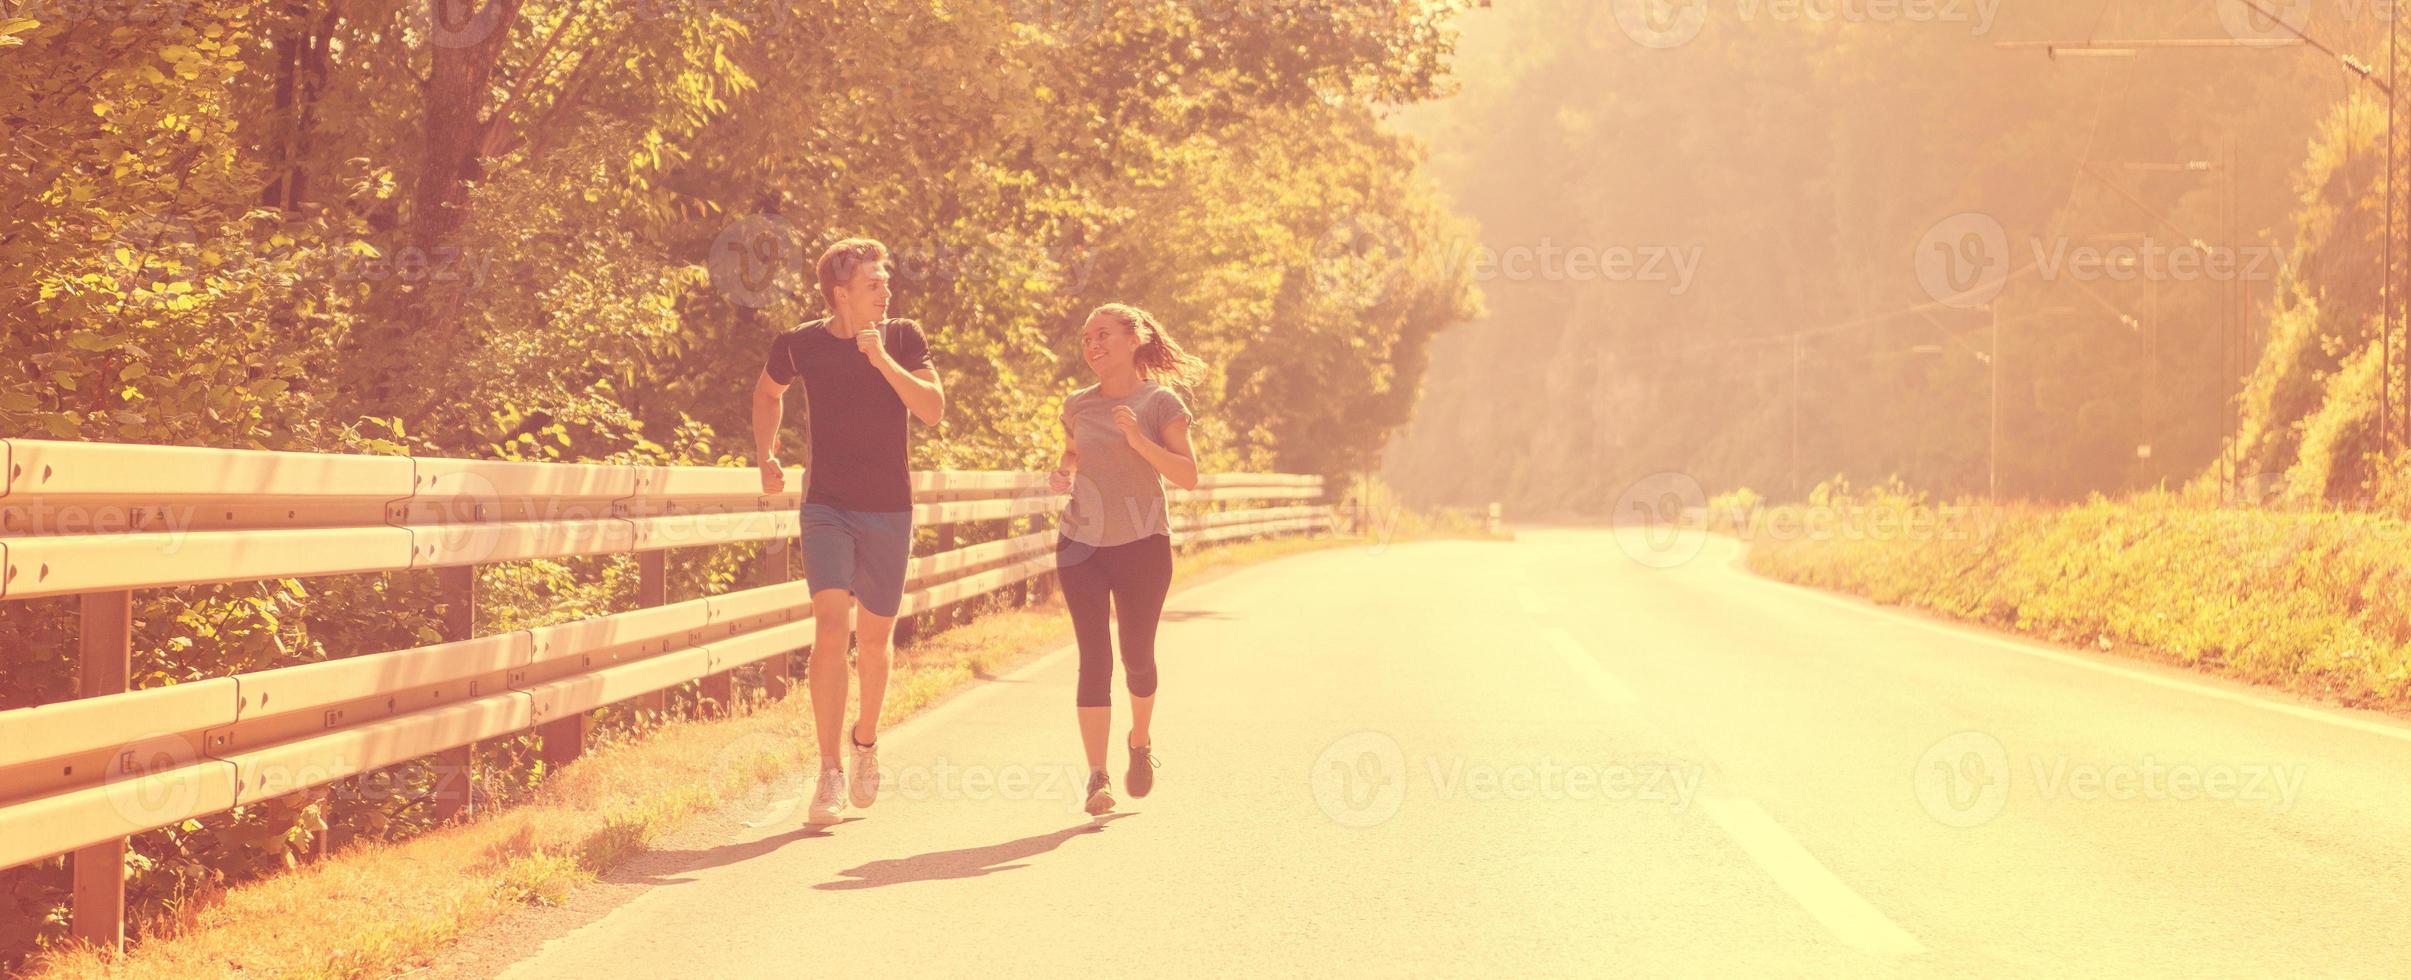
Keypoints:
pixel 98 521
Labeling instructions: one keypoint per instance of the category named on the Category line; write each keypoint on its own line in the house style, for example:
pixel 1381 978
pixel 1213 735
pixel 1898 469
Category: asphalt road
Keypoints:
pixel 1579 753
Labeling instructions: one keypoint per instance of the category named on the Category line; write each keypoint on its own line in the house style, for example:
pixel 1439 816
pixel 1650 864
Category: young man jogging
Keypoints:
pixel 862 372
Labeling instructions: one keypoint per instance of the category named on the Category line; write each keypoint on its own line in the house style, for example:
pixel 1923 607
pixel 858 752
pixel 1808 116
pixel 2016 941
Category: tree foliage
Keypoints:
pixel 568 229
pixel 1811 164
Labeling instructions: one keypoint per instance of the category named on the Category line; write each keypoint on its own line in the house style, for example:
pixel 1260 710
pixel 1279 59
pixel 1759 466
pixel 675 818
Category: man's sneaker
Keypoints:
pixel 1100 794
pixel 1141 777
pixel 829 799
pixel 866 772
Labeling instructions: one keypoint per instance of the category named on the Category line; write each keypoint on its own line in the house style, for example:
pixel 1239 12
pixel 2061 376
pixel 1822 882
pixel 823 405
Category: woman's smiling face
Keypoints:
pixel 1108 344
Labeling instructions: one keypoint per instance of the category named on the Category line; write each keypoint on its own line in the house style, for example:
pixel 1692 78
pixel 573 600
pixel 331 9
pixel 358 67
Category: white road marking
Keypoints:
pixel 1579 658
pixel 1849 917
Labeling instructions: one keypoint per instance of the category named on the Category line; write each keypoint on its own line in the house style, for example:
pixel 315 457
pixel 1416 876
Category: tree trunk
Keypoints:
pixel 466 38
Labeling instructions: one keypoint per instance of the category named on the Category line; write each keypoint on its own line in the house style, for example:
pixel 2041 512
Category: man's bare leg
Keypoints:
pixel 874 633
pixel 832 619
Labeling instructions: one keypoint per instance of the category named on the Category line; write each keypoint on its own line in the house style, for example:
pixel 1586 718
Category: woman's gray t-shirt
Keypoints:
pixel 1117 496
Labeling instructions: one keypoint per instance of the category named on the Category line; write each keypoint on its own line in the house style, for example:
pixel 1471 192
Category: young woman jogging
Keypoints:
pixel 1125 437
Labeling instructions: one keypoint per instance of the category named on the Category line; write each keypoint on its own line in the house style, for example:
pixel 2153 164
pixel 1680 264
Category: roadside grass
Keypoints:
pixel 2317 602
pixel 378 908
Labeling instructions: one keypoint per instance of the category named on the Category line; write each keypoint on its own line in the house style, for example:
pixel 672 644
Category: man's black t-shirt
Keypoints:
pixel 857 422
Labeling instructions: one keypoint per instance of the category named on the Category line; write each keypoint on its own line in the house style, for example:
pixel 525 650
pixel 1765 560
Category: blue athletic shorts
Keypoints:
pixel 863 552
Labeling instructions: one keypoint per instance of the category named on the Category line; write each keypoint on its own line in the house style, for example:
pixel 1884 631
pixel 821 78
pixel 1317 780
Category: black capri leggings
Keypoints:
pixel 1136 576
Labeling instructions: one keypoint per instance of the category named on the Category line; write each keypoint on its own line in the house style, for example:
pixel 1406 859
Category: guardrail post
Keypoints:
pixel 776 679
pixel 718 690
pixel 653 589
pixel 1042 584
pixel 455 768
pixel 1021 589
pixel 565 738
pixel 945 617
pixel 107 638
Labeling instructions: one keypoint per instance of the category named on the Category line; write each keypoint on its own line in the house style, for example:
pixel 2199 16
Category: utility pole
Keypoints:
pixel 2237 330
pixel 1992 465
pixel 1797 490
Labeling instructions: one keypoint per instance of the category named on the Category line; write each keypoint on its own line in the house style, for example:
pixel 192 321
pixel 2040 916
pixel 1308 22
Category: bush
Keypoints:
pixel 2310 601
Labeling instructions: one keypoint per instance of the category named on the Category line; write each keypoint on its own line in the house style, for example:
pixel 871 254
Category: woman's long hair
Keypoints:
pixel 1159 358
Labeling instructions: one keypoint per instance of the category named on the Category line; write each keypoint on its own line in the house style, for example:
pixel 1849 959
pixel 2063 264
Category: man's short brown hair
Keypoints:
pixel 837 265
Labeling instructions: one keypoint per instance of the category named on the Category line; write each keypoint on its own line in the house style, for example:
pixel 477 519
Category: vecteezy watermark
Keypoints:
pixel 758 260
pixel 761 259
pixel 1362 254
pixel 407 264
pixel 1064 21
pixel 774 780
pixel 1964 260
pixel 1672 23
pixel 1881 520
pixel 990 262
pixel 165 259
pixel 2286 21
pixel 1657 519
pixel 1359 780
pixel 749 12
pixel 1963 780
pixel 1077 21
pixel 113 11
pixel 153 781
pixel 460 23
pixel 37 516
pixel 1968 778
pixel 1364 779
pixel 1654 23
pixel 1368 252
pixel 2277 20
pixel 1664 519
pixel 1548 261
pixel 154 255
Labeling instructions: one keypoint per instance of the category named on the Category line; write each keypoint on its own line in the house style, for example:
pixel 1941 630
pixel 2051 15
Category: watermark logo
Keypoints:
pixel 461 23
pixel 770 769
pixel 1963 260
pixel 1655 523
pixel 1967 780
pixel 1364 780
pixel 758 260
pixel 152 781
pixel 1362 255
pixel 2264 20
pixel 1674 265
pixel 1963 780
pixel 153 12
pixel 1659 23
pixel 1360 780
pixel 1067 22
pixel 1664 24
pixel 156 256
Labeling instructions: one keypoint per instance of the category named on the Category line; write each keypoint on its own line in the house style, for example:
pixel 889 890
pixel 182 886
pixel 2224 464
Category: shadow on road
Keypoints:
pixel 1183 615
pixel 683 863
pixel 969 862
